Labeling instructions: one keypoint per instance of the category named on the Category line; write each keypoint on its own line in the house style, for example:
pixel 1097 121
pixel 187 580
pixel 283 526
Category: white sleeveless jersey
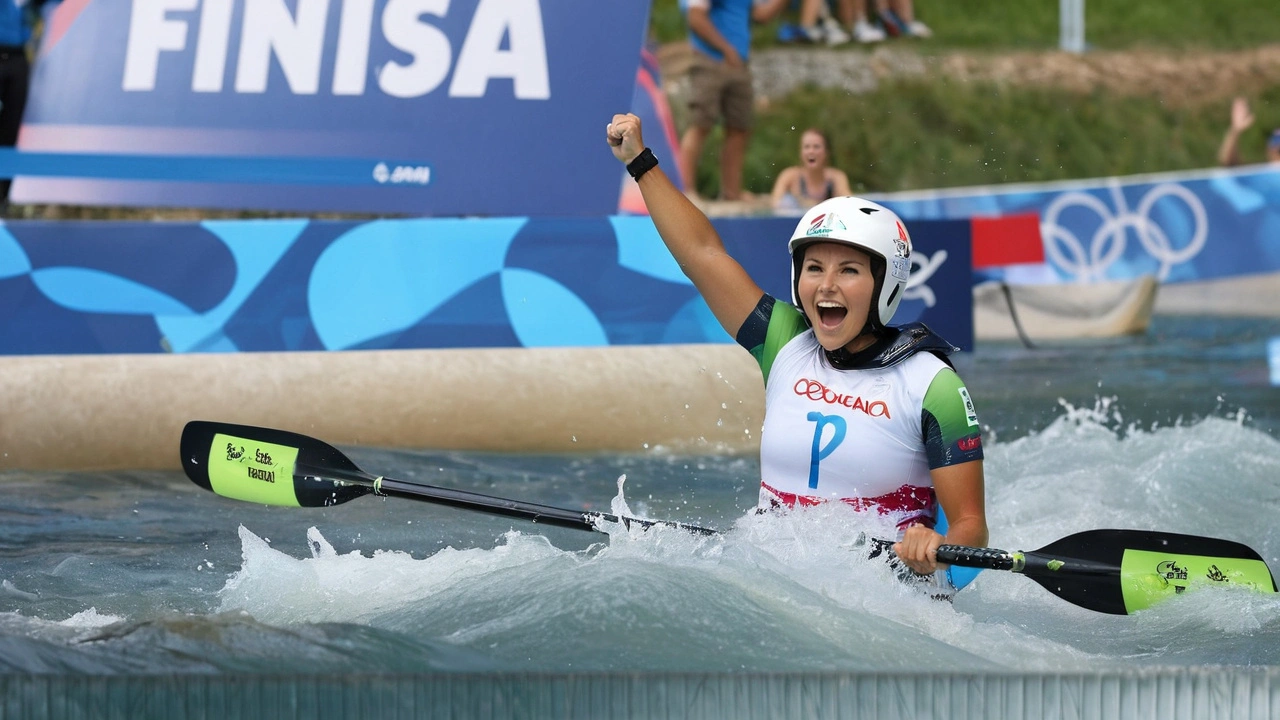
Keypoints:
pixel 851 435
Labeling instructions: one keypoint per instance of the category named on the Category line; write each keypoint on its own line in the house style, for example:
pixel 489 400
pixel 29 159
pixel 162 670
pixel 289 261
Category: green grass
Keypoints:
pixel 1033 24
pixel 933 134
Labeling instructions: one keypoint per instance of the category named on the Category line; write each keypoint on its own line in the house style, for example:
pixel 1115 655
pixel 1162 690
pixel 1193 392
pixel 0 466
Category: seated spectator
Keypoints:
pixel 813 11
pixel 853 13
pixel 816 25
pixel 802 186
pixel 1241 120
pixel 893 18
pixel 899 18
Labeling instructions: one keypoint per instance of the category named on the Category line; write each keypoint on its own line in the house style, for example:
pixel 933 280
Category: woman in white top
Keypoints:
pixel 856 411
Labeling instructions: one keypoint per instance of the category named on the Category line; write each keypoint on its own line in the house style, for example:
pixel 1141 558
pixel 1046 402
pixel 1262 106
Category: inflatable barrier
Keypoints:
pixel 1107 308
pixel 97 412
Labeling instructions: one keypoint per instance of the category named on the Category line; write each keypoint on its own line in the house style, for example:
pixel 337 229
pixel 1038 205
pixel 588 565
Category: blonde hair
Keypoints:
pixel 826 141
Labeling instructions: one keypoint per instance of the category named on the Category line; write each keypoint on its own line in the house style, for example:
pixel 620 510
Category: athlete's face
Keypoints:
pixel 835 288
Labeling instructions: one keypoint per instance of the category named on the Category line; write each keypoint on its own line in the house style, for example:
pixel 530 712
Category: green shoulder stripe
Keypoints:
pixel 785 323
pixel 948 401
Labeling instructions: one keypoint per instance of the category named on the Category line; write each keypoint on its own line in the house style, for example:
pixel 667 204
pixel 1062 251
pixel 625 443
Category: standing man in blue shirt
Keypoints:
pixel 720 83
pixel 18 20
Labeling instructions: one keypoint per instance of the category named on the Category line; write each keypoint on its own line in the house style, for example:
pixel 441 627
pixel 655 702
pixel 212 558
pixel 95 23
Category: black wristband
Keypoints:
pixel 643 163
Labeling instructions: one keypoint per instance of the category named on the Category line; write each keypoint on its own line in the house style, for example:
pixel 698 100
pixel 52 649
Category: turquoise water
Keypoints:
pixel 130 573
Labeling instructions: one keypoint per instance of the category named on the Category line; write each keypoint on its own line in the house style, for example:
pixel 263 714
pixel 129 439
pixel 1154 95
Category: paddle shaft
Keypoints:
pixel 961 555
pixel 1028 562
pixel 534 512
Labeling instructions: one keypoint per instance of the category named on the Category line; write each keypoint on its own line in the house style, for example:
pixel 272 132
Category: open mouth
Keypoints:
pixel 830 314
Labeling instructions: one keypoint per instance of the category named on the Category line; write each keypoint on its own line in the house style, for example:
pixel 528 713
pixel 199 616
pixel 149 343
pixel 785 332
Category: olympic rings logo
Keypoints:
pixel 1107 245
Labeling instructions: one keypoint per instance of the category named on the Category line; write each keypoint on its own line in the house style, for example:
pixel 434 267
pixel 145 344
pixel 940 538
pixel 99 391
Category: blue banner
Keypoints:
pixel 1178 227
pixel 279 285
pixel 455 107
pixel 176 168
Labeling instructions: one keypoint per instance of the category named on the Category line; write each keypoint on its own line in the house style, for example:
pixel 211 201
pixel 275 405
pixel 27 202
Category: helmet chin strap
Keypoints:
pixel 891 347
pixel 842 359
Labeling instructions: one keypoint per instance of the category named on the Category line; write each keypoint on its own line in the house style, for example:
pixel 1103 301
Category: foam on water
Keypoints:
pixel 790 591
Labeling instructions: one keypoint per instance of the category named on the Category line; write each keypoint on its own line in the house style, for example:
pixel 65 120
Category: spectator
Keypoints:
pixel 896 17
pixel 1241 120
pixel 899 18
pixel 720 80
pixel 18 22
pixel 802 186
pixel 813 11
pixel 853 13
pixel 817 25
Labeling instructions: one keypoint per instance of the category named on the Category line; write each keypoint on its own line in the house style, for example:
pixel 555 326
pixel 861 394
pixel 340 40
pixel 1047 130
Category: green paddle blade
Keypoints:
pixel 267 466
pixel 1123 571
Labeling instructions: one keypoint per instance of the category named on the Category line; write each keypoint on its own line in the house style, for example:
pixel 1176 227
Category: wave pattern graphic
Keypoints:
pixel 280 285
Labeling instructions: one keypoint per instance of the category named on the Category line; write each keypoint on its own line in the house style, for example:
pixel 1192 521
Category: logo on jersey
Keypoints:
pixel 818 392
pixel 824 224
pixel 970 413
pixel 969 444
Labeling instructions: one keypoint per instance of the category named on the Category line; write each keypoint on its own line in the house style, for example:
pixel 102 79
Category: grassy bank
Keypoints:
pixel 938 131
pixel 1003 25
pixel 942 133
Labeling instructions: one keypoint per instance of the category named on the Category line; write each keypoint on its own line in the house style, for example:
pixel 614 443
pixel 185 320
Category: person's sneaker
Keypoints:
pixel 811 34
pixel 893 24
pixel 835 35
pixel 919 29
pixel 789 33
pixel 865 32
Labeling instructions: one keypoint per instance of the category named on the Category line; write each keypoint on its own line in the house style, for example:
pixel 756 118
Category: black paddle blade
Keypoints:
pixel 1123 571
pixel 272 467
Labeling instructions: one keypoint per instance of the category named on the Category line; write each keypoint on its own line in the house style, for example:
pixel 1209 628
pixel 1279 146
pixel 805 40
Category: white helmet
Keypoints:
pixel 872 228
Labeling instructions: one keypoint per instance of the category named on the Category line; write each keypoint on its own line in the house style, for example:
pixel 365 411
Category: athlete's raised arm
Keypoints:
pixel 727 288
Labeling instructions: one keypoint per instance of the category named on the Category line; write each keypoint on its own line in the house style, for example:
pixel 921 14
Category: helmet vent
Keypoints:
pixel 894 294
pixel 868 211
